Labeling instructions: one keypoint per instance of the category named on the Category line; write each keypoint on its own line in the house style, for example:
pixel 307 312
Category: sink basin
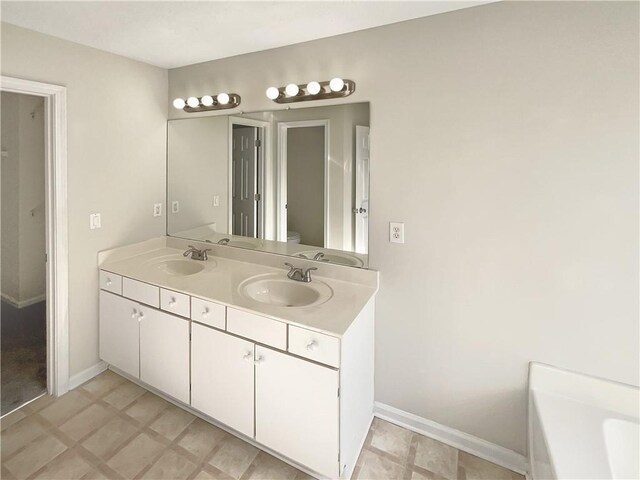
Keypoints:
pixel 276 289
pixel 333 257
pixel 180 267
pixel 176 266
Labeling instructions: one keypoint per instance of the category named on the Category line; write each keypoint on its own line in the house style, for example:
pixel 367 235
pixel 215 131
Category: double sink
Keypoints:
pixel 272 288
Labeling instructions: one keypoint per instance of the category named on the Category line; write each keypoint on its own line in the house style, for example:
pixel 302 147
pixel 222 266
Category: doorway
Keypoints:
pixel 23 345
pixel 34 263
pixel 246 173
pixel 303 160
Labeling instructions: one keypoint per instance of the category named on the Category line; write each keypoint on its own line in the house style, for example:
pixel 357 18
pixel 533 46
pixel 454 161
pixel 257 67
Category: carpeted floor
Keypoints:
pixel 23 351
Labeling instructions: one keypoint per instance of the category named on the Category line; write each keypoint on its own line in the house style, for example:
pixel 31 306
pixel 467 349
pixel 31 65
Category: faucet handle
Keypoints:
pixel 291 267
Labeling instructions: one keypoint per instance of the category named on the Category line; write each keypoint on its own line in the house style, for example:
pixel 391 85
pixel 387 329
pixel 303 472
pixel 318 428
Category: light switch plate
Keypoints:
pixel 396 232
pixel 175 206
pixel 94 221
pixel 157 209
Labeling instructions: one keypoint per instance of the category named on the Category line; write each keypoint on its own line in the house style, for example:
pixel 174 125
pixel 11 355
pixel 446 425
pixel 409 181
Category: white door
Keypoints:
pixel 244 181
pixel 361 208
pixel 119 333
pixel 222 377
pixel 297 410
pixel 164 352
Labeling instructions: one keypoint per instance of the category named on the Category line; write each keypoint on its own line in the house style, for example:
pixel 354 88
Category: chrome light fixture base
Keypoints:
pixel 324 94
pixel 234 101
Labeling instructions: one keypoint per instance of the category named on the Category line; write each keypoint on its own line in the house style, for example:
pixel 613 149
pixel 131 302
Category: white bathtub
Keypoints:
pixel 582 427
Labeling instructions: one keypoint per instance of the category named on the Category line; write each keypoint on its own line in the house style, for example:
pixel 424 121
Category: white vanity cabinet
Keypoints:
pixel 304 394
pixel 119 332
pixel 222 377
pixel 164 352
pixel 297 409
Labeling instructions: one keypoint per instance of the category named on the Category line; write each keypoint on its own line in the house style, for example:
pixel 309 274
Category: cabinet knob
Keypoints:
pixel 259 360
pixel 108 282
pixel 248 356
pixel 205 314
pixel 312 346
pixel 134 314
pixel 172 302
pixel 140 316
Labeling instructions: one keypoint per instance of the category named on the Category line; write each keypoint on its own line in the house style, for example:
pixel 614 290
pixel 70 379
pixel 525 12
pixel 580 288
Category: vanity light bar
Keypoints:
pixel 222 101
pixel 335 88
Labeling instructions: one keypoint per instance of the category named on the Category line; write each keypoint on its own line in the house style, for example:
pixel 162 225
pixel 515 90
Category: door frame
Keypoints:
pixel 283 127
pixel 264 161
pixel 57 241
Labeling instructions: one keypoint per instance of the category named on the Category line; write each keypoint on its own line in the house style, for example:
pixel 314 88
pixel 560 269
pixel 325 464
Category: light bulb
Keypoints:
pixel 179 103
pixel 273 93
pixel 193 102
pixel 313 88
pixel 223 98
pixel 207 100
pixel 336 84
pixel 292 90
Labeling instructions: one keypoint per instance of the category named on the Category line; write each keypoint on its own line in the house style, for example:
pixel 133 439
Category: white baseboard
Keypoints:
pixel 79 378
pixel 450 436
pixel 22 303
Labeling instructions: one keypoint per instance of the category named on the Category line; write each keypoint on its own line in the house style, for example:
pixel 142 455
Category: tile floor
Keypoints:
pixel 110 428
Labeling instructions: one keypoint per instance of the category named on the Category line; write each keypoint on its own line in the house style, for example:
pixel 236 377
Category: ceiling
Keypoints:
pixel 176 33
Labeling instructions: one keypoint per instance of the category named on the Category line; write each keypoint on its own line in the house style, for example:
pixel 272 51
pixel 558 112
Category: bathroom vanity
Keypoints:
pixel 283 364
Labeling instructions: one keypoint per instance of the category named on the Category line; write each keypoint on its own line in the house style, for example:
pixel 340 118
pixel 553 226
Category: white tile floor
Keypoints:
pixel 110 428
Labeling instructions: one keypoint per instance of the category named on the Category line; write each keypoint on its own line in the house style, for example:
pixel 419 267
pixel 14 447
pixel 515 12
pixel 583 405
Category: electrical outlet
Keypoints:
pixel 94 221
pixel 216 200
pixel 175 206
pixel 396 232
pixel 157 209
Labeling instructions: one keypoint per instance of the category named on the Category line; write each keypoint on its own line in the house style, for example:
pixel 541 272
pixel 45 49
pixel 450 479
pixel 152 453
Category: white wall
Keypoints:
pixel 32 219
pixel 10 146
pixel 116 111
pixel 506 138
pixel 23 187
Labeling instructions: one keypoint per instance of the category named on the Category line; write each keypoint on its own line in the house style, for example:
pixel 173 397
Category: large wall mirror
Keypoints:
pixel 293 182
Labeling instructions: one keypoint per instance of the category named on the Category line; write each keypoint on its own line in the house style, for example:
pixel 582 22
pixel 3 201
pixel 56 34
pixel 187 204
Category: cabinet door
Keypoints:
pixel 119 333
pixel 297 410
pixel 222 377
pixel 164 352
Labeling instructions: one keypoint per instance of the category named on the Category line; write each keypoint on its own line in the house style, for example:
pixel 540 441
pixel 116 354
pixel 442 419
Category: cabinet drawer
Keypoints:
pixel 175 302
pixel 209 313
pixel 140 291
pixel 111 282
pixel 258 328
pixel 314 346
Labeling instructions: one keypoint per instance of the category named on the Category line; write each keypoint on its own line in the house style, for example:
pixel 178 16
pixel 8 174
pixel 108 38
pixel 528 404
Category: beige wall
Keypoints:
pixel 198 153
pixel 506 138
pixel 116 111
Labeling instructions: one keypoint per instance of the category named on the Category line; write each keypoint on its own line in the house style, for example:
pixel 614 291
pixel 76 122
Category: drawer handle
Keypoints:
pixel 108 282
pixel 259 360
pixel 134 314
pixel 205 314
pixel 312 346
pixel 172 302
pixel 248 356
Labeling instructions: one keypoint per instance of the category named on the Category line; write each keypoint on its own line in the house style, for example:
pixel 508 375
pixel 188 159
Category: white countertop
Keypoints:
pixel 219 282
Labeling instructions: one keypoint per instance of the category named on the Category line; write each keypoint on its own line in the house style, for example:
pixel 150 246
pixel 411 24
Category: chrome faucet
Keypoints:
pixel 299 274
pixel 197 254
pixel 223 241
pixel 318 256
